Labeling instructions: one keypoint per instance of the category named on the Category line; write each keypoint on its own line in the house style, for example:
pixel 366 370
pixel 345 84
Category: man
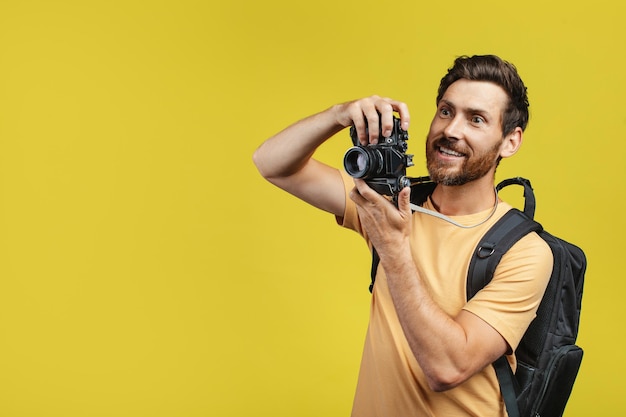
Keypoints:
pixel 428 350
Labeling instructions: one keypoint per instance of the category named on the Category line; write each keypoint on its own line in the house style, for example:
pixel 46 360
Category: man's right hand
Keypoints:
pixel 286 158
pixel 366 112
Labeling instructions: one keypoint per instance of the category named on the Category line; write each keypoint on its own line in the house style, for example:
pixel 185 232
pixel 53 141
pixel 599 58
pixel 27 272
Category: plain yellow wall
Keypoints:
pixel 145 267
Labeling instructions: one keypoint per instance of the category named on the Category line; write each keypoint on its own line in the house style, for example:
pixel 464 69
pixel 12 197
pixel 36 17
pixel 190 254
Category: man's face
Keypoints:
pixel 465 137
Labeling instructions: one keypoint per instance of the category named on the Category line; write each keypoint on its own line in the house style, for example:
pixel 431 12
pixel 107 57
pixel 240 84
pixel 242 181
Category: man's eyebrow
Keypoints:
pixel 446 102
pixel 470 110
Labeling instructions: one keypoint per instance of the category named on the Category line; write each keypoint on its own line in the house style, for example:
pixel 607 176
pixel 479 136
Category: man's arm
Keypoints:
pixel 286 159
pixel 449 349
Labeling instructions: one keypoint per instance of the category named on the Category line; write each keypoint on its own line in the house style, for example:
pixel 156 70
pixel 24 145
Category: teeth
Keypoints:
pixel 449 152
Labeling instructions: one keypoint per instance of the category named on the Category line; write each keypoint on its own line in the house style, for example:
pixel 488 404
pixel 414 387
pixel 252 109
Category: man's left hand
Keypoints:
pixel 387 226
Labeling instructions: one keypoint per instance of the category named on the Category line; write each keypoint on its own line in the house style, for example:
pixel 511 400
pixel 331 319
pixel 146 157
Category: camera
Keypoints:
pixel 382 166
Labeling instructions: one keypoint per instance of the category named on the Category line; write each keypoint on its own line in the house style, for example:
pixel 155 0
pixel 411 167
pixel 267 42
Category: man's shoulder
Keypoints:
pixel 529 248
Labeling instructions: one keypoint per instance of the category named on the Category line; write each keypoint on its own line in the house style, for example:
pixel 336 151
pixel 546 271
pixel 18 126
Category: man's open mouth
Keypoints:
pixel 450 152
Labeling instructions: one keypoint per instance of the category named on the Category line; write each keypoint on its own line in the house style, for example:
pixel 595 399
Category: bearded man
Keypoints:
pixel 428 350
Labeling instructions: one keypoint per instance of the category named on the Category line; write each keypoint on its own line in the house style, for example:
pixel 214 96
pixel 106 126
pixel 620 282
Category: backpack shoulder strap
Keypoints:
pixel 421 191
pixel 513 226
pixel 493 245
pixel 509 229
pixel 501 237
pixel 509 386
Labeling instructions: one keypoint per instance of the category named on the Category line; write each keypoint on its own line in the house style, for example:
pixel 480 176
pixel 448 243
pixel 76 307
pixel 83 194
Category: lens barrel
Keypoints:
pixel 363 162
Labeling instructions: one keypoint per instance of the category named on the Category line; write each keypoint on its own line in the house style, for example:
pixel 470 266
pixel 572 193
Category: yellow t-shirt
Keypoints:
pixel 391 382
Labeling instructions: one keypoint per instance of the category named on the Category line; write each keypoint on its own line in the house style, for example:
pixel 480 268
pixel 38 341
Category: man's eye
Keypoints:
pixel 478 120
pixel 445 112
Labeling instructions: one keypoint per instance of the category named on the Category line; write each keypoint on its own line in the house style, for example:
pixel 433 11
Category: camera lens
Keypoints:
pixel 361 162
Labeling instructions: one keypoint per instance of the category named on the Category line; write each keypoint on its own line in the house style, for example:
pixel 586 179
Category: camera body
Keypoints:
pixel 382 166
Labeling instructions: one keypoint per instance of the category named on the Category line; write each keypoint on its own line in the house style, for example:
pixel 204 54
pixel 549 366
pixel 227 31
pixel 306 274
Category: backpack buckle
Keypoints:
pixel 485 250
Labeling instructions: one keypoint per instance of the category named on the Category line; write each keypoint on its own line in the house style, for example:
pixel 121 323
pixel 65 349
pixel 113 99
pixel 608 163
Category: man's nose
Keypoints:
pixel 454 128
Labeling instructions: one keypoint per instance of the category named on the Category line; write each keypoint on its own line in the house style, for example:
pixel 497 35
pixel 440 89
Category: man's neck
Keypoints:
pixel 461 200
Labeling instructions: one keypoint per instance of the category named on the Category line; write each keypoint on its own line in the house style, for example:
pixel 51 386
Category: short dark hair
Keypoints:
pixel 498 71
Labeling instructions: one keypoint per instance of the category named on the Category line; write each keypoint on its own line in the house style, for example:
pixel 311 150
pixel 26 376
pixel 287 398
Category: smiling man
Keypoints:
pixel 428 350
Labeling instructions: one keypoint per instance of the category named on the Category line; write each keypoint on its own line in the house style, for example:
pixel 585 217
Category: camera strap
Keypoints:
pixel 421 209
pixel 423 187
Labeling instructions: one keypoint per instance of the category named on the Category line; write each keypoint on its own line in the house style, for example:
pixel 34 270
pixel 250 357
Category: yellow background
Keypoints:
pixel 145 267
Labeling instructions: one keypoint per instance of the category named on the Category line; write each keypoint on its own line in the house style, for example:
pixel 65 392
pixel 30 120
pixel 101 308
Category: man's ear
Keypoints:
pixel 512 142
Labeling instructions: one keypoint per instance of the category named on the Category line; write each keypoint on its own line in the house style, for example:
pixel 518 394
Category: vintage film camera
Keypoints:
pixel 382 166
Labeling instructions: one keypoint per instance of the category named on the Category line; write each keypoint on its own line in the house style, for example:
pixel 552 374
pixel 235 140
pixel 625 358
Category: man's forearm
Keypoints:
pixel 444 346
pixel 289 150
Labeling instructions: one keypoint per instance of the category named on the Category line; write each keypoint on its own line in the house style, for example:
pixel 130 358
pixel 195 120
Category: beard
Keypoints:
pixel 450 173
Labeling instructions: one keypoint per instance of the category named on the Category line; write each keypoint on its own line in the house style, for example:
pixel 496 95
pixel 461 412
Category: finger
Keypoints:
pixel 365 193
pixel 386 118
pixel 368 194
pixel 360 125
pixel 403 111
pixel 373 122
pixel 359 185
pixel 404 200
pixel 363 114
pixel 356 196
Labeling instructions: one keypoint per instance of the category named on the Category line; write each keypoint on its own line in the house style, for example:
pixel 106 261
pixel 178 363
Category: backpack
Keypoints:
pixel 548 359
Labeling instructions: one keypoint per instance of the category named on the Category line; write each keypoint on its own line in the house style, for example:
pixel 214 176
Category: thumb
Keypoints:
pixel 404 200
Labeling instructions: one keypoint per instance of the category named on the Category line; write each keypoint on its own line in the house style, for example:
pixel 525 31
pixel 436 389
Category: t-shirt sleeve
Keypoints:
pixel 510 301
pixel 350 219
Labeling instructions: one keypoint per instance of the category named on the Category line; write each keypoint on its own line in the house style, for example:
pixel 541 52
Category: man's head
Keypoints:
pixel 482 110
pixel 492 69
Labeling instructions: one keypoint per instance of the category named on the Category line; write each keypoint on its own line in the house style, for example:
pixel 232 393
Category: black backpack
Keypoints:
pixel 548 359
